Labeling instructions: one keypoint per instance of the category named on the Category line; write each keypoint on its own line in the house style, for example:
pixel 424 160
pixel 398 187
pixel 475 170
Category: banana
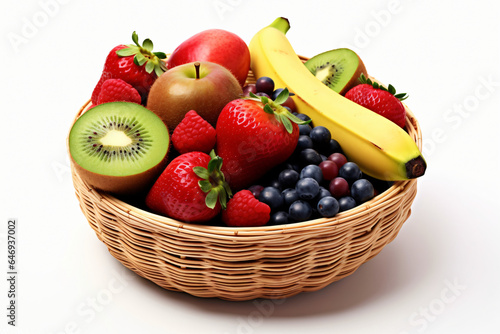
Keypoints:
pixel 379 147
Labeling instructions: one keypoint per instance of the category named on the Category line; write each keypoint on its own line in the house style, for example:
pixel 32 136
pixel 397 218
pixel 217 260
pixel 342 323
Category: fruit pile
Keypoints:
pixel 188 136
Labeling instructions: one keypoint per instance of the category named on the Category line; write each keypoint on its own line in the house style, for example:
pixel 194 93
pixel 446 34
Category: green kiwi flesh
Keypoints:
pixel 119 147
pixel 339 69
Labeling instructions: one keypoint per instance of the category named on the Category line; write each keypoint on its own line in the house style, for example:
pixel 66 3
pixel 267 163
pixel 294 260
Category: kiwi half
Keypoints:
pixel 119 147
pixel 339 69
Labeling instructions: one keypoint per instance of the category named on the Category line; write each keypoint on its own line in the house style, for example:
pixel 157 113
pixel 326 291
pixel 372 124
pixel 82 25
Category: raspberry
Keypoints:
pixel 244 210
pixel 118 90
pixel 193 134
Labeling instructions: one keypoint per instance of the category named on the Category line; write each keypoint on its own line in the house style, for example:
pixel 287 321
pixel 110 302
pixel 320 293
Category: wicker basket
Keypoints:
pixel 246 263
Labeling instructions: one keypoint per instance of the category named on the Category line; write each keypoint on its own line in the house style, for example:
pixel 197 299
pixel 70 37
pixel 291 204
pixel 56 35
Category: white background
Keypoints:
pixel 441 273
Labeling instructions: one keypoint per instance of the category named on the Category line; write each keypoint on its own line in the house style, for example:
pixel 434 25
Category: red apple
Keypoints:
pixel 201 86
pixel 217 46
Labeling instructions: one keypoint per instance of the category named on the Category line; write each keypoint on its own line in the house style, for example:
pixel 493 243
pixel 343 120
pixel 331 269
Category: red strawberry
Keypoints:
pixel 190 189
pixel 254 135
pixel 134 64
pixel 193 133
pixel 245 210
pixel 118 90
pixel 383 101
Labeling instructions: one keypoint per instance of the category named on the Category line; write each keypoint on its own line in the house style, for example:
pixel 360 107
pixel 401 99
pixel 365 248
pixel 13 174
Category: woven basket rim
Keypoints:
pixel 155 222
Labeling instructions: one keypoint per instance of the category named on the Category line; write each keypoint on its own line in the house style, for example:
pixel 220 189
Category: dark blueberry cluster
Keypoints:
pixel 316 181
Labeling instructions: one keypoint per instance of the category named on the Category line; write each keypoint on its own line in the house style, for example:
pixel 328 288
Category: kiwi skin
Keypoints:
pixel 354 80
pixel 128 185
pixel 121 185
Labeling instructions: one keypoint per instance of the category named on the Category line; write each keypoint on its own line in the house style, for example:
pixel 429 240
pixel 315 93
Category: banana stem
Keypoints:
pixel 282 24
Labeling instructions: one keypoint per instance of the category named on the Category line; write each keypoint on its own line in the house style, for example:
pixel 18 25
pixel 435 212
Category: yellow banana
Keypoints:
pixel 379 147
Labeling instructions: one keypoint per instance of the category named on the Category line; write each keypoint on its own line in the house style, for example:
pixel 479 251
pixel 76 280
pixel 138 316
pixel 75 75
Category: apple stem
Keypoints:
pixel 197 67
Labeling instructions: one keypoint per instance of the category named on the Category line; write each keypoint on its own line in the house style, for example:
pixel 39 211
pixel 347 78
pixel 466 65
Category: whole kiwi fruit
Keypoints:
pixel 119 147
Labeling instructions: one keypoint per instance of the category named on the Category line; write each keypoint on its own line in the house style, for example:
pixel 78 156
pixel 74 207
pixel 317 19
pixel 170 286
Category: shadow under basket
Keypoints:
pixel 246 263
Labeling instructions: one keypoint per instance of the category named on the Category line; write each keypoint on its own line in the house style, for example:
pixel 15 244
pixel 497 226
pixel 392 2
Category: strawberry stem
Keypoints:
pixel 376 85
pixel 282 114
pixel 144 55
pixel 213 182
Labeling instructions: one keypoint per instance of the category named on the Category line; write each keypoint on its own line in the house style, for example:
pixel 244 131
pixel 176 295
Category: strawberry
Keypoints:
pixel 377 98
pixel 118 90
pixel 245 210
pixel 135 64
pixel 193 133
pixel 254 135
pixel 191 188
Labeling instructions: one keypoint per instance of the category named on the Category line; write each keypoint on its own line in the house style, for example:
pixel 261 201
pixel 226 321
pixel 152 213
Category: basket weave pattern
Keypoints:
pixel 247 263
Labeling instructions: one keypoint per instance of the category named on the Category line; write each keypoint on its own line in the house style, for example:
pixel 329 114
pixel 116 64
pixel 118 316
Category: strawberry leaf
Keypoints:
pixel 201 172
pixel 147 44
pixel 268 109
pixel 141 60
pixel 159 70
pixel 211 198
pixel 227 189
pixel 135 38
pixel 223 199
pixel 214 165
pixel 125 52
pixel 160 55
pixel 286 122
pixel 205 185
pixel 297 120
pixel 212 154
pixel 282 96
pixel 391 89
pixel 401 96
pixel 150 66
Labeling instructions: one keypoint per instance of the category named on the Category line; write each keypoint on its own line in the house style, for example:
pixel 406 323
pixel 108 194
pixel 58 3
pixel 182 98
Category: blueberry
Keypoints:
pixel 304 129
pixel 272 197
pixel 333 146
pixel 278 218
pixel 275 183
pixel 313 171
pixel 323 192
pixel 289 164
pixel 300 211
pixel 287 178
pixel 304 142
pixel 320 136
pixel 304 117
pixel 289 196
pixel 362 190
pixel 346 203
pixel 309 156
pixel 328 206
pixel 350 172
pixel 265 85
pixel 307 188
